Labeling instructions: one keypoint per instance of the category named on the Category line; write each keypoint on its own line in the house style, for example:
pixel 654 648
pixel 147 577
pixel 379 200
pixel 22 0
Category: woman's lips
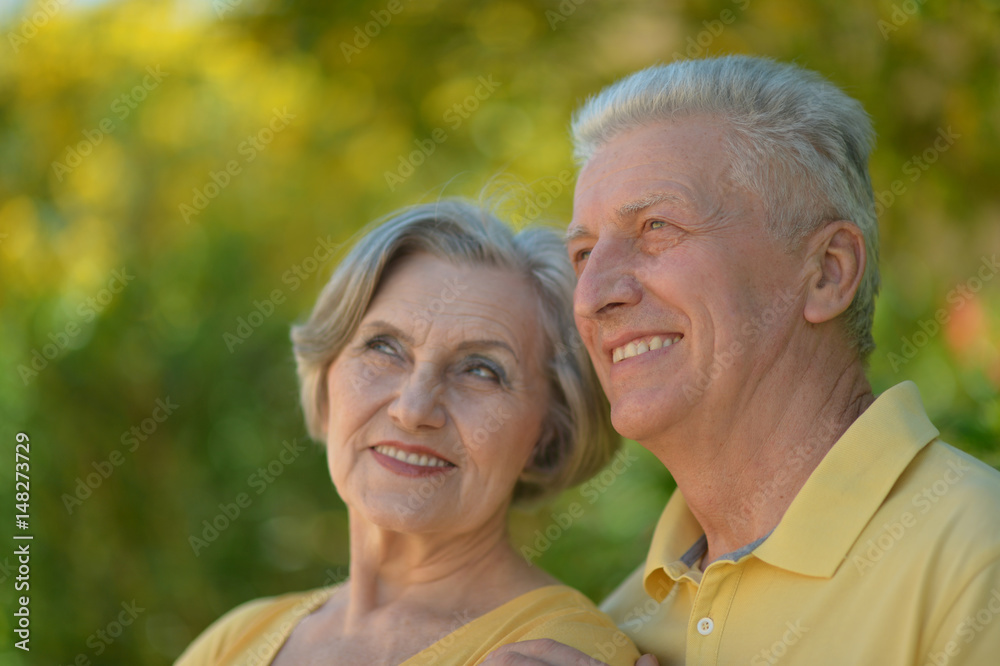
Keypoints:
pixel 410 461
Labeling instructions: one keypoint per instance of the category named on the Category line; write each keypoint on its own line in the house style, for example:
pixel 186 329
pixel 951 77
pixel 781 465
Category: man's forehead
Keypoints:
pixel 677 163
pixel 622 206
pixel 695 143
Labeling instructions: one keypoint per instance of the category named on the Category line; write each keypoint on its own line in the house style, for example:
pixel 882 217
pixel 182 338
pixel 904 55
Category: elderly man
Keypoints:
pixel 725 240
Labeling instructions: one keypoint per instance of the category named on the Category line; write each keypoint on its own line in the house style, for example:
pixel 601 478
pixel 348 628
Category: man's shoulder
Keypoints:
pixel 943 475
pixel 952 499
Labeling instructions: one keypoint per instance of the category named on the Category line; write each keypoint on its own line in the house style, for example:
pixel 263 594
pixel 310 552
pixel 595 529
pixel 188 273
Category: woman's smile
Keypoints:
pixel 407 460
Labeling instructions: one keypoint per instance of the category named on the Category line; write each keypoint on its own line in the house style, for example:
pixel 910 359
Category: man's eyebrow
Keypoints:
pixel 575 232
pixel 636 205
pixel 630 208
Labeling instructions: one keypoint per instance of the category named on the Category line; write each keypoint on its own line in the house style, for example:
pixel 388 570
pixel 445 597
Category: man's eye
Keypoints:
pixel 656 224
pixel 582 255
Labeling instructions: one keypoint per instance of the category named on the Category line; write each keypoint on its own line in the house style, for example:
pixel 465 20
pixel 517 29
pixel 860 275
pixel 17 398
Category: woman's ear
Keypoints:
pixel 323 400
pixel 538 461
pixel 837 256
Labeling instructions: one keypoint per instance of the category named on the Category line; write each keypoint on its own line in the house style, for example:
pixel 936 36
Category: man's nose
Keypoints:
pixel 417 404
pixel 608 280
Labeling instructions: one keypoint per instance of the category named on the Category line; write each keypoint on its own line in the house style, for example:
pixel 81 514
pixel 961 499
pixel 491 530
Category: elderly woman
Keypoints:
pixel 442 370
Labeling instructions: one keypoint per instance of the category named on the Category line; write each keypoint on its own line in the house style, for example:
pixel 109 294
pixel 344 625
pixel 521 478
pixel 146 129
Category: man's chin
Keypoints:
pixel 643 421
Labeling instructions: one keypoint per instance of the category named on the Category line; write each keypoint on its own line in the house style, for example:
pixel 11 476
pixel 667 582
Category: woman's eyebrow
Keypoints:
pixel 480 344
pixel 384 326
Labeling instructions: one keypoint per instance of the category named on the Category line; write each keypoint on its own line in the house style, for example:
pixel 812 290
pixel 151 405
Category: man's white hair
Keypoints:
pixel 795 140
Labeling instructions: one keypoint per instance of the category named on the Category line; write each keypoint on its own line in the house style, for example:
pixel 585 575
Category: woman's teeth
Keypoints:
pixel 420 460
pixel 641 346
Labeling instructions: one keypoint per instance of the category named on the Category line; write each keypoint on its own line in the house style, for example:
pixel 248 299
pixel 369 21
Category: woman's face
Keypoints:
pixel 436 403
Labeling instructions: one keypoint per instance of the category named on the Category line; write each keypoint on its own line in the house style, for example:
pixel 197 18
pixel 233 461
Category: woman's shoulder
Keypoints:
pixel 553 598
pixel 261 624
pixel 557 604
pixel 566 615
pixel 556 612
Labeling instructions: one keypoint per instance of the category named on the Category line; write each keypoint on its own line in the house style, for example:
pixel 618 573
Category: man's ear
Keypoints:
pixel 837 257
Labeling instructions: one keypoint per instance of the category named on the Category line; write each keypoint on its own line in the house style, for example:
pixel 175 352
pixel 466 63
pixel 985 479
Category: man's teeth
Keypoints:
pixel 420 460
pixel 642 346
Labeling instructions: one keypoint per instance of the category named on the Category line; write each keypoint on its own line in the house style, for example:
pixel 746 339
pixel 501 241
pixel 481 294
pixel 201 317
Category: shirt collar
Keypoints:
pixel 828 514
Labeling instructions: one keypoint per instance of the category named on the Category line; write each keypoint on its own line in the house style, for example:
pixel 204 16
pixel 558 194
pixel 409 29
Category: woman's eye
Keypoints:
pixel 380 345
pixel 485 371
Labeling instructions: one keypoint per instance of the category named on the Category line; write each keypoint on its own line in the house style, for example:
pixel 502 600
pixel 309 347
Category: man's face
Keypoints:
pixel 670 254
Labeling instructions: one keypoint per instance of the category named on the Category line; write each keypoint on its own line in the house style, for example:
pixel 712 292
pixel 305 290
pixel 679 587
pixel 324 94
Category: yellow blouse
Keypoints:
pixel 252 634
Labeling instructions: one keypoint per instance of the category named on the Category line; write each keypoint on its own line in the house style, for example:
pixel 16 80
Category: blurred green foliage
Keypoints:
pixel 116 115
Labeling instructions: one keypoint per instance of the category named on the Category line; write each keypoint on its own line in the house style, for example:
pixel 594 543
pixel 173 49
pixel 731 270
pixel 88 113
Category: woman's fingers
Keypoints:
pixel 541 652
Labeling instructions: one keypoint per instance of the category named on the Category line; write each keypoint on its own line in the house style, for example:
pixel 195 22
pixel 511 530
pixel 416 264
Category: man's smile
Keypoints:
pixel 643 344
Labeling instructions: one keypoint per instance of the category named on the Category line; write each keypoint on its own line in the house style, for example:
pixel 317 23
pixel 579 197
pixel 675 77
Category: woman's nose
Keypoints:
pixel 417 405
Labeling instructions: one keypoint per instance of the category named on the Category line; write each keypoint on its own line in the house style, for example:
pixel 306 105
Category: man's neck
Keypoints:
pixel 739 478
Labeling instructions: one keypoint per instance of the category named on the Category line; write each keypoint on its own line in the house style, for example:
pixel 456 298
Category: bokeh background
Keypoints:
pixel 173 174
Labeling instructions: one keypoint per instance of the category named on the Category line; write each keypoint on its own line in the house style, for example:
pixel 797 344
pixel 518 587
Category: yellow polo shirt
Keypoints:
pixel 888 556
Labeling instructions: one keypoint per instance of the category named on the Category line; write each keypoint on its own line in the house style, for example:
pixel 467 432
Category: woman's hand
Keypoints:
pixel 547 652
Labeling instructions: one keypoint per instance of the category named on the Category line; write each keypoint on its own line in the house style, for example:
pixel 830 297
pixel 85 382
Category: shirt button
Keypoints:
pixel 705 626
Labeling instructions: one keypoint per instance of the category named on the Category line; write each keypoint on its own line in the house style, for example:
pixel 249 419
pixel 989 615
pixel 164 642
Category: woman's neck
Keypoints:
pixel 436 572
